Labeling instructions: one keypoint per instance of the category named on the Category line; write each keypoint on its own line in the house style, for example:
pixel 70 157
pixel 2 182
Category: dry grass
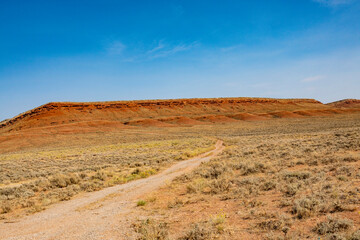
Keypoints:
pixel 149 229
pixel 286 184
pixel 281 179
pixel 209 229
pixel 31 181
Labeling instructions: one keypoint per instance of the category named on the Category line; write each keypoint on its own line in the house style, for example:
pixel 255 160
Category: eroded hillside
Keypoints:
pixel 180 111
pixel 63 123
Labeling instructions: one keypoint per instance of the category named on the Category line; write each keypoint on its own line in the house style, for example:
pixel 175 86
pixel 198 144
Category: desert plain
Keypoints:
pixel 222 168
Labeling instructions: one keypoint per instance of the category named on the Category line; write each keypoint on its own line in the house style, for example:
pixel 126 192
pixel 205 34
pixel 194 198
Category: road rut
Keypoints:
pixel 97 215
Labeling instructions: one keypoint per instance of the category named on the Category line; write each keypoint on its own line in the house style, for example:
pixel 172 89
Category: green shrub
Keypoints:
pixel 141 203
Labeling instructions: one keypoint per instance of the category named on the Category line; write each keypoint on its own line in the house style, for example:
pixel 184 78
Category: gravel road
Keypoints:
pixel 105 214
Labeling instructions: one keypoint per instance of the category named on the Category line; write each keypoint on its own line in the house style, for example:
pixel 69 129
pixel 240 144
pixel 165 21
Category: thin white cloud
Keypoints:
pixel 116 48
pixel 160 46
pixel 334 3
pixel 165 52
pixel 313 78
pixel 161 50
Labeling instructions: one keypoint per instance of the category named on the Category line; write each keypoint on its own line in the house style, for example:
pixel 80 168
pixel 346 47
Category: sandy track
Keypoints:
pixel 98 215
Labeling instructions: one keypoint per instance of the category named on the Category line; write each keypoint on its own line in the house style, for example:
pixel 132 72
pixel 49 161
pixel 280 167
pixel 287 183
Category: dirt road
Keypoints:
pixel 104 215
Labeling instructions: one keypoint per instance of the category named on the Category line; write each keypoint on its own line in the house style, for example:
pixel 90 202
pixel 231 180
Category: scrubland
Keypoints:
pixel 31 181
pixel 276 179
pixel 300 180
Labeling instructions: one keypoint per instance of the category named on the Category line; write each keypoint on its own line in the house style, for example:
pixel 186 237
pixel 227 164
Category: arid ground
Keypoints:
pixel 233 168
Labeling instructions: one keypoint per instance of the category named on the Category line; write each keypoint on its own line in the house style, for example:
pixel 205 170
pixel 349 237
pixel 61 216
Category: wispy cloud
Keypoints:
pixel 313 78
pixel 116 48
pixel 160 46
pixel 161 50
pixel 168 51
pixel 334 3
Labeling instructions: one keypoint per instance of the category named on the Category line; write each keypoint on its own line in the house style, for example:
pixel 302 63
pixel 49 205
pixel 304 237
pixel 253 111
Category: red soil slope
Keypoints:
pixel 346 103
pixel 68 117
pixel 68 123
pixel 52 114
pixel 181 121
pixel 216 119
pixel 248 117
pixel 148 123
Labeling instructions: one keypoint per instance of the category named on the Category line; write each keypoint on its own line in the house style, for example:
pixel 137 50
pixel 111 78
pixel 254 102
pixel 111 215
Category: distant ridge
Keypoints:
pixel 147 104
pixel 168 112
pixel 346 103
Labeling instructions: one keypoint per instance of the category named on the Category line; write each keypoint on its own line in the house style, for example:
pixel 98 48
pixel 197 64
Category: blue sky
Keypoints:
pixel 136 49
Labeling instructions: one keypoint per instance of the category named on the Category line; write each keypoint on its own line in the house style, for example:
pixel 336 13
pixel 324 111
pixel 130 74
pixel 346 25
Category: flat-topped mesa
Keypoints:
pixel 68 112
pixel 172 102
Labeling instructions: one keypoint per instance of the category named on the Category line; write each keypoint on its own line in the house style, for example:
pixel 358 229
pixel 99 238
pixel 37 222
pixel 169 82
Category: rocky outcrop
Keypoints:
pixel 125 111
